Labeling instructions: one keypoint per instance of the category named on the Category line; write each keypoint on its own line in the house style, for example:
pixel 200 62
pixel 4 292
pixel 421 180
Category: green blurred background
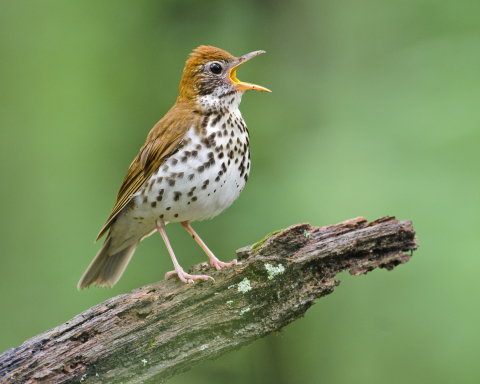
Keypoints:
pixel 375 111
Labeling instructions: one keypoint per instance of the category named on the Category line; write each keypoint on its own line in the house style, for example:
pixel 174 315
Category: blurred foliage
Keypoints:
pixel 374 111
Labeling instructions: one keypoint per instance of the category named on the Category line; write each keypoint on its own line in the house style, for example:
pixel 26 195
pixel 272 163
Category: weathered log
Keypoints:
pixel 166 328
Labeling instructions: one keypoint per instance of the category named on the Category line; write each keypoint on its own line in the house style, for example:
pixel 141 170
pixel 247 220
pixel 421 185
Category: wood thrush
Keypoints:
pixel 193 165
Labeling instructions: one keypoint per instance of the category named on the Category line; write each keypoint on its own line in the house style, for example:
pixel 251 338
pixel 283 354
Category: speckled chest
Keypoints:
pixel 203 176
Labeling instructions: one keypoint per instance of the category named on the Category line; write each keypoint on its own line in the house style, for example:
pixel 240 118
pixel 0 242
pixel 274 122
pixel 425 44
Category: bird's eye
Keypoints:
pixel 215 68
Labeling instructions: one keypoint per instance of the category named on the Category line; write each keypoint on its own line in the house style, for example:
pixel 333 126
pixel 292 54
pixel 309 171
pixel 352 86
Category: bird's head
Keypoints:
pixel 212 71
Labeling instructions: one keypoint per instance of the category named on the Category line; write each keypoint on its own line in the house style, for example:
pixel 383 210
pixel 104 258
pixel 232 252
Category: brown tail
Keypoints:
pixel 106 269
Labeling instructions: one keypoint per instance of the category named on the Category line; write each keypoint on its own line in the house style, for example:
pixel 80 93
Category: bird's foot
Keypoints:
pixel 187 278
pixel 214 262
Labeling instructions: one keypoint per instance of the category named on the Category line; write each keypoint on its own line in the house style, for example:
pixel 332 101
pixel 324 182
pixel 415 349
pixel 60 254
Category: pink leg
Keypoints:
pixel 214 262
pixel 185 277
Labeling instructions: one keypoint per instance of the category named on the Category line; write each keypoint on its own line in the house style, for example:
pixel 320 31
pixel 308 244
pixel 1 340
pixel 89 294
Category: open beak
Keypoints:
pixel 240 84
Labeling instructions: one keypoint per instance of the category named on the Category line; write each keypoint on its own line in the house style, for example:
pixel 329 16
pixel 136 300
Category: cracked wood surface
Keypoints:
pixel 166 328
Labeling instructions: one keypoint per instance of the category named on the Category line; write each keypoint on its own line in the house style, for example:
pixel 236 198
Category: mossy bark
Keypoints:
pixel 166 328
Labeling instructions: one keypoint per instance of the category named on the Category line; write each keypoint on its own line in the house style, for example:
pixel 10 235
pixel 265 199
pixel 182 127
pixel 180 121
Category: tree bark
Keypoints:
pixel 166 328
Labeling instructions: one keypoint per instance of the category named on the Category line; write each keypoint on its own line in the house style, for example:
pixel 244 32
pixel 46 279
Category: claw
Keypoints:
pixel 187 278
pixel 220 264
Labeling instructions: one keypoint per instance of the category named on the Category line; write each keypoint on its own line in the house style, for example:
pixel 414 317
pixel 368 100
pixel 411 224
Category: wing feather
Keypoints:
pixel 162 140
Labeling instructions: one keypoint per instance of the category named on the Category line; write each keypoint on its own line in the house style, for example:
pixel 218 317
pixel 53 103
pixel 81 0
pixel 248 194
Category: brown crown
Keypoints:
pixel 205 53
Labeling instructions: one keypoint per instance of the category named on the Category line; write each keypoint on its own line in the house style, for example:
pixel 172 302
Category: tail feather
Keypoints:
pixel 106 269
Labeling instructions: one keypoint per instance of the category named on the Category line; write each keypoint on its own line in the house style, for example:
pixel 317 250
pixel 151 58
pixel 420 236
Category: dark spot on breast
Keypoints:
pixel 165 168
pixel 205 183
pixel 159 180
pixel 216 120
pixel 154 204
pixel 176 215
pixel 145 199
pixel 198 146
pixel 217 179
pixel 223 125
pixel 194 198
pixel 184 159
pixel 174 161
pixel 235 148
pixel 180 175
pixel 191 176
pixel 159 198
pixel 168 208
pixel 224 168
pixel 201 168
pixel 205 121
pixel 176 196
pixel 219 133
pixel 236 160
pixel 161 216
pixel 207 142
pixel 232 133
pixel 228 162
pixel 220 155
pixel 171 183
pixel 230 154
pixel 194 153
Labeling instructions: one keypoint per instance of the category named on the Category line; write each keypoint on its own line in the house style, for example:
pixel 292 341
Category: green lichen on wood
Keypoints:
pixel 244 286
pixel 274 271
pixel 261 242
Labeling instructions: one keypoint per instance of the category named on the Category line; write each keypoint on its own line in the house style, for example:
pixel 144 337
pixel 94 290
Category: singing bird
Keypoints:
pixel 193 165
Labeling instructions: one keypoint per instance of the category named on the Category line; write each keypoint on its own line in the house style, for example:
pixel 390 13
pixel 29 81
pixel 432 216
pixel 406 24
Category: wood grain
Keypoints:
pixel 166 328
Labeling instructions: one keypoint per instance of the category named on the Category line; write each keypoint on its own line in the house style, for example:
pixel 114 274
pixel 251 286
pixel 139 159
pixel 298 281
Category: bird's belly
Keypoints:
pixel 198 182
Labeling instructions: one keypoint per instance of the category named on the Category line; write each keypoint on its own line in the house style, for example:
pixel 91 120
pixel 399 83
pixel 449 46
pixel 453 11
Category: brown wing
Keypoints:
pixel 161 142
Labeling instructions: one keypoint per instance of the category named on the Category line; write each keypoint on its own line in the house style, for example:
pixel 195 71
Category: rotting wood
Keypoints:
pixel 166 328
